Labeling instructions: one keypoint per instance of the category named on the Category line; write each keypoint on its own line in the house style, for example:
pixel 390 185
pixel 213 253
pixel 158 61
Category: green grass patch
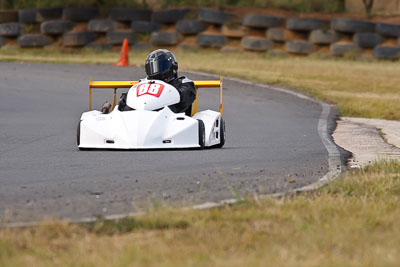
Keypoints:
pixel 351 222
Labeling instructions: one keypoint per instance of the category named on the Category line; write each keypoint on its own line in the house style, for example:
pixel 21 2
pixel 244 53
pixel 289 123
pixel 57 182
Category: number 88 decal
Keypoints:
pixel 154 89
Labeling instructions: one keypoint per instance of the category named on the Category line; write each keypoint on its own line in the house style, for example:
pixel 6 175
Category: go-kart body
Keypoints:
pixel 150 124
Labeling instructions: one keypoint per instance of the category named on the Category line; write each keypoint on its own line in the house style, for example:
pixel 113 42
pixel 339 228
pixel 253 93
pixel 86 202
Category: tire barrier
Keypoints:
pixel 33 40
pixel 323 37
pixel 10 29
pixel 27 16
pixel 164 38
pixel 102 25
pixel 8 16
pixel 190 26
pixel 118 37
pixel 341 49
pixel 3 41
pixel 367 39
pixel 299 47
pixel 387 52
pixel 77 39
pixel 211 40
pixel 145 26
pixel 262 21
pixel 129 14
pixel 169 15
pixel 276 34
pixel 56 27
pixel 80 14
pixel 389 30
pixel 215 17
pixel 44 14
pixel 256 43
pixel 306 24
pixel 234 32
pixel 352 25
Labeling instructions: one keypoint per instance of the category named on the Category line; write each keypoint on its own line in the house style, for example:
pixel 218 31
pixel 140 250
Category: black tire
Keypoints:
pixel 102 25
pixel 306 24
pixel 45 14
pixel 56 27
pixel 117 38
pixel 323 37
pixel 299 47
pixel 339 49
pixel 33 40
pixel 169 15
pixel 211 40
pixel 80 14
pixel 352 25
pixel 129 14
pixel 10 29
pixel 386 29
pixel 367 39
pixel 27 16
pixel 215 17
pixel 3 41
pixel 276 34
pixel 142 26
pixel 202 134
pixel 8 16
pixel 76 39
pixel 222 133
pixel 262 21
pixel 190 26
pixel 387 52
pixel 256 43
pixel 78 133
pixel 164 38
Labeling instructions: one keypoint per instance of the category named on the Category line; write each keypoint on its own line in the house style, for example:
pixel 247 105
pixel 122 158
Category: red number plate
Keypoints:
pixel 154 89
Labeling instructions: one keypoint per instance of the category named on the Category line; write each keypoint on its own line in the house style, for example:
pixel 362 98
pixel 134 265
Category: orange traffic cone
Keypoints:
pixel 124 59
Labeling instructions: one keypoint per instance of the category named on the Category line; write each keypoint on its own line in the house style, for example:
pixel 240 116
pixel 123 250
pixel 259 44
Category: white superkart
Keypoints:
pixel 151 124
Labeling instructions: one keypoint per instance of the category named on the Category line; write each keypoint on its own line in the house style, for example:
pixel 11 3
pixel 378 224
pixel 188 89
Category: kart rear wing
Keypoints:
pixel 128 84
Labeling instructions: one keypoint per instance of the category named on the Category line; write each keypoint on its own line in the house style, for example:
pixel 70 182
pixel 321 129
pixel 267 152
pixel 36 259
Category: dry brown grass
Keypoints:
pixel 360 88
pixel 352 222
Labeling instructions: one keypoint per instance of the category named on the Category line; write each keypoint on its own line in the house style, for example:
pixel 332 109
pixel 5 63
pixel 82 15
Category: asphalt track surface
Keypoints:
pixel 273 145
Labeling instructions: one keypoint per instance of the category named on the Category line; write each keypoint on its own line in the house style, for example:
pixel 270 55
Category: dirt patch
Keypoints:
pixel 369 140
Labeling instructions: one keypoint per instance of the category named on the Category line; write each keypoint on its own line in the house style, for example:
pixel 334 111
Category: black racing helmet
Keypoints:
pixel 161 64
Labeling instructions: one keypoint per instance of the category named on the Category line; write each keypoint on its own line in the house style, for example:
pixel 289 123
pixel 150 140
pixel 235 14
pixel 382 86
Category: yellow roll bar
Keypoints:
pixel 128 84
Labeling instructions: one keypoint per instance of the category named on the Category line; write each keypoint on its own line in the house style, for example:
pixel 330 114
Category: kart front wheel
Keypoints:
pixel 202 134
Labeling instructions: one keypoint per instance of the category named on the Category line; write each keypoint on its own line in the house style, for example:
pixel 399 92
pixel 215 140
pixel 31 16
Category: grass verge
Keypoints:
pixel 351 222
pixel 360 89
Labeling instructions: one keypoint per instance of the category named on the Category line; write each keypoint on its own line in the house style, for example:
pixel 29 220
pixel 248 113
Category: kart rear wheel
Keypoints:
pixel 222 133
pixel 202 134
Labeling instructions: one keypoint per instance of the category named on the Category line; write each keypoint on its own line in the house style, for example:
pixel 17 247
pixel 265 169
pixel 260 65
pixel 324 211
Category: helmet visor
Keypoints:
pixel 157 66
